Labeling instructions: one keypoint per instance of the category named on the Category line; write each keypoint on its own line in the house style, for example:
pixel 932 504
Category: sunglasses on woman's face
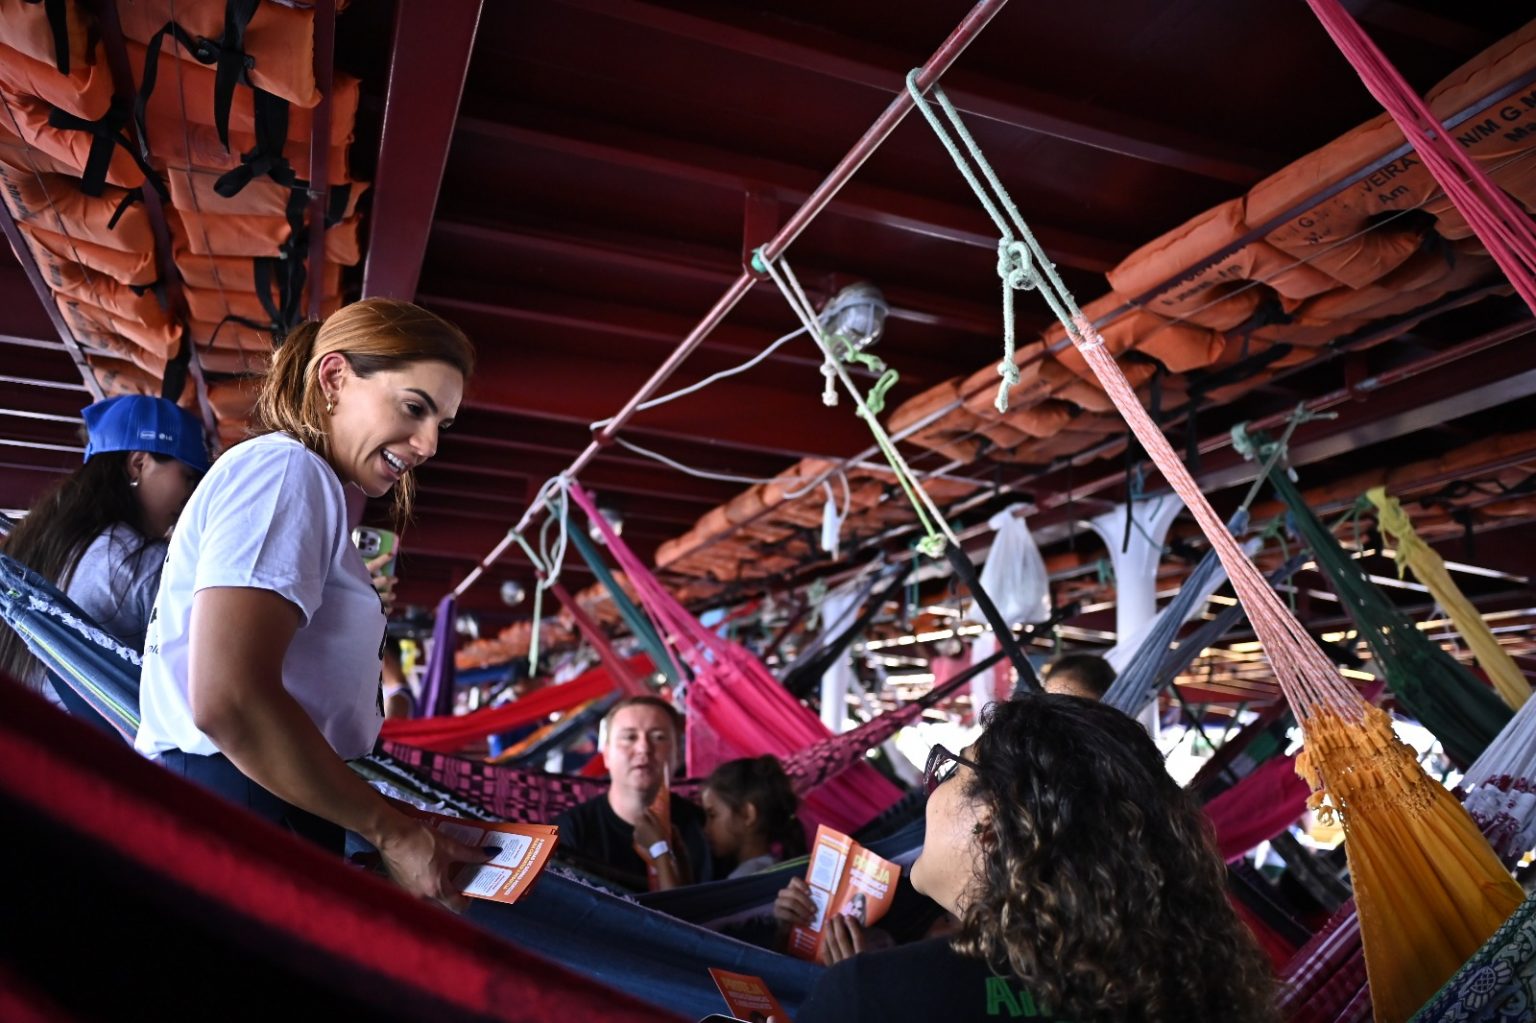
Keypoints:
pixel 942 765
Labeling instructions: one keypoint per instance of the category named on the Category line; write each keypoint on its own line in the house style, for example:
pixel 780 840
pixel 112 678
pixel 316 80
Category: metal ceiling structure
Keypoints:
pixel 578 183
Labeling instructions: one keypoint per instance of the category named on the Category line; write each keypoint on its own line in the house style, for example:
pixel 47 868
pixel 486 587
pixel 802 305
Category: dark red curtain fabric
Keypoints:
pixel 450 734
pixel 1259 807
pixel 134 891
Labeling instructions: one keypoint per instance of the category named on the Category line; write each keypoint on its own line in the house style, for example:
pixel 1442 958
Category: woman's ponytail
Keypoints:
pixel 286 402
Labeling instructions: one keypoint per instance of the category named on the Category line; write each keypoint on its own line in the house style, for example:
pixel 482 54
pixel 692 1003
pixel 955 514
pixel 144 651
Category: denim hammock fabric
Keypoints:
pixel 99 675
pixel 646 954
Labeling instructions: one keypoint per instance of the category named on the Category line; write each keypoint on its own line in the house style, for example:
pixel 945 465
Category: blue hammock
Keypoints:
pixel 1156 665
pixel 100 674
pixel 639 951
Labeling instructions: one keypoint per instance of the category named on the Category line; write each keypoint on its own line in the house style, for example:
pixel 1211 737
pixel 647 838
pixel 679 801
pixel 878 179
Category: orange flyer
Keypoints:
pixel 845 879
pixel 525 848
pixel 747 997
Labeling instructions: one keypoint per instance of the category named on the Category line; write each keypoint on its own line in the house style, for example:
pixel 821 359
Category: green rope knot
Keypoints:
pixel 932 545
pixel 1013 265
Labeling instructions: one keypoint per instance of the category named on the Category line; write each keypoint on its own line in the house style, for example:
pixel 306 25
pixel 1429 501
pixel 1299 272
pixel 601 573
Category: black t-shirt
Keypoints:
pixel 593 837
pixel 917 983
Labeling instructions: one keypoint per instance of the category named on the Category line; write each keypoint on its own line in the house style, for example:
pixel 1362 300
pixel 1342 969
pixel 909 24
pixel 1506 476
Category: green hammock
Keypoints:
pixel 1448 700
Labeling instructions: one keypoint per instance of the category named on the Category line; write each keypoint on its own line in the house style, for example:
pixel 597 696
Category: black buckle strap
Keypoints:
pixel 58 26
pixel 107 133
pixel 130 197
pixel 267 159
pixel 231 62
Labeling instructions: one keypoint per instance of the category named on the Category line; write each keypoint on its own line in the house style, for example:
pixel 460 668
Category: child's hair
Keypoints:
pixel 762 782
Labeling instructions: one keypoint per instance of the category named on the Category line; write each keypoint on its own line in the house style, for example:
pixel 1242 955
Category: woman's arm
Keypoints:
pixel 239 638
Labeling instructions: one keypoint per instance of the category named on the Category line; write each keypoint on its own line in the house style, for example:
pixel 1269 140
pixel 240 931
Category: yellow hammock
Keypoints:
pixel 1429 889
pixel 1429 568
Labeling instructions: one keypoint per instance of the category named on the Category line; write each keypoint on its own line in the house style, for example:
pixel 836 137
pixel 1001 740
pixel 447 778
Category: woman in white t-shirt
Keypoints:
pixel 262 663
pixel 99 533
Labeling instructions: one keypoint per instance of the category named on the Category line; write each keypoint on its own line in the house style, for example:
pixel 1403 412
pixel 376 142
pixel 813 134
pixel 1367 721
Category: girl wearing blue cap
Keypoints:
pixel 262 664
pixel 99 534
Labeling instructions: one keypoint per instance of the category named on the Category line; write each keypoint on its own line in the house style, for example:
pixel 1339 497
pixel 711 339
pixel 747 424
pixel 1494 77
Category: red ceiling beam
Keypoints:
pixel 716 267
pixel 652 331
pixel 942 59
pixel 433 41
pixel 526 446
pixel 734 413
pixel 850 59
pixel 652 327
pixel 633 150
pixel 67 342
pixel 529 473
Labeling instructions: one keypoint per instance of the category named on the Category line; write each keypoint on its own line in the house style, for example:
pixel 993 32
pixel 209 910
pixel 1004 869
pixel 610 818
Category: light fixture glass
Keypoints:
pixel 615 522
pixel 856 314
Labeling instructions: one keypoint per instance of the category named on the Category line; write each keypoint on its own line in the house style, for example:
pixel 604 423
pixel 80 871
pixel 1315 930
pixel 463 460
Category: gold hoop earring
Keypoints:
pixel 330 406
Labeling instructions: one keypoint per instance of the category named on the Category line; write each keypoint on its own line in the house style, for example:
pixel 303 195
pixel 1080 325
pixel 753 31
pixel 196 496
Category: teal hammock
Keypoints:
pixel 1463 714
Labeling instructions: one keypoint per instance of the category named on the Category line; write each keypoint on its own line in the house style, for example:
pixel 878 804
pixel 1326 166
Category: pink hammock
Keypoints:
pixel 1259 807
pixel 736 708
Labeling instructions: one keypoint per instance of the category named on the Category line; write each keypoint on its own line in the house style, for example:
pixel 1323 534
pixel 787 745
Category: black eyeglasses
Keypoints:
pixel 941 767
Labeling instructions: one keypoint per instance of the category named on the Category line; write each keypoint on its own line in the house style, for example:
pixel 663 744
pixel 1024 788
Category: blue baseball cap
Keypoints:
pixel 137 422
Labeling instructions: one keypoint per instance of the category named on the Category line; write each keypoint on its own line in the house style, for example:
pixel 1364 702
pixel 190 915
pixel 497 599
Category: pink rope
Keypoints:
pixel 1308 679
pixel 736 707
pixel 1502 226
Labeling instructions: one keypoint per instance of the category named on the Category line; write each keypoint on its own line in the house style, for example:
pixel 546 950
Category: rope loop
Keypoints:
pixel 1014 265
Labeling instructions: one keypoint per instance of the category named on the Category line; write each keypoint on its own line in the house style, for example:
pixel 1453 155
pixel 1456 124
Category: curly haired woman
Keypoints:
pixel 1085 879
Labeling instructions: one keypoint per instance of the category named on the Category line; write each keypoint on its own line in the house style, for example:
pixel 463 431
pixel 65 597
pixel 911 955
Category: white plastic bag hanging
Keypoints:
pixel 1014 574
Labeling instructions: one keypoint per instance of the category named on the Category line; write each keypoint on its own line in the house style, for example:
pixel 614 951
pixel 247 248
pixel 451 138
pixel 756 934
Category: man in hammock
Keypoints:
pixel 1086 675
pixel 638 834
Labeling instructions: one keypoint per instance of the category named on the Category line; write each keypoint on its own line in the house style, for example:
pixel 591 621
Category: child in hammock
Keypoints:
pixel 749 815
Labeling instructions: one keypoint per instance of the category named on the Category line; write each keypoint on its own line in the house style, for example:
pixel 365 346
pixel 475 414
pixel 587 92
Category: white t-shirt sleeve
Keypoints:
pixel 272 526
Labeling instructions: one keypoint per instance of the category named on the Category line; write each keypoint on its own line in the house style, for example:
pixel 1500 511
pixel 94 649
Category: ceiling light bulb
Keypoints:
pixel 615 522
pixel 512 593
pixel 856 314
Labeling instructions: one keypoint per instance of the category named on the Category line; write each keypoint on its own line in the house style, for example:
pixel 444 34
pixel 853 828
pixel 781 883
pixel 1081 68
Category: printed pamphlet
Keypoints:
pixel 747 997
pixel 845 879
pixel 525 848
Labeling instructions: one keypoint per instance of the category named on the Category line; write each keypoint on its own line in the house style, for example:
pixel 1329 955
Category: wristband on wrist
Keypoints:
pixel 658 849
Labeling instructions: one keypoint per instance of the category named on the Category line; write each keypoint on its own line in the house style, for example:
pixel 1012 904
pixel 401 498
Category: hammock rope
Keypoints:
pixel 1463 714
pixel 1503 228
pixel 1429 568
pixel 936 529
pixel 1405 833
pixel 938 538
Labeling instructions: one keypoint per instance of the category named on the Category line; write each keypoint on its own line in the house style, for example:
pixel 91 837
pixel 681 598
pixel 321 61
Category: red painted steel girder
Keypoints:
pixel 806 48
pixel 433 41
pixel 644 152
pixel 618 251
pixel 736 413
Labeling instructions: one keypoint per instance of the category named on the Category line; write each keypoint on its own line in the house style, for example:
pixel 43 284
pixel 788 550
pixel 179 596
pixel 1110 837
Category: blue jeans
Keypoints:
pixel 219 775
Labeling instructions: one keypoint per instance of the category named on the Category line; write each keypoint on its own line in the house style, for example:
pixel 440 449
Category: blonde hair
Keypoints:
pixel 372 335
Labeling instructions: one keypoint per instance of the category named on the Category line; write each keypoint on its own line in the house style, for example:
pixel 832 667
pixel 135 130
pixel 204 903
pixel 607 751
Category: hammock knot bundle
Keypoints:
pixel 1429 888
